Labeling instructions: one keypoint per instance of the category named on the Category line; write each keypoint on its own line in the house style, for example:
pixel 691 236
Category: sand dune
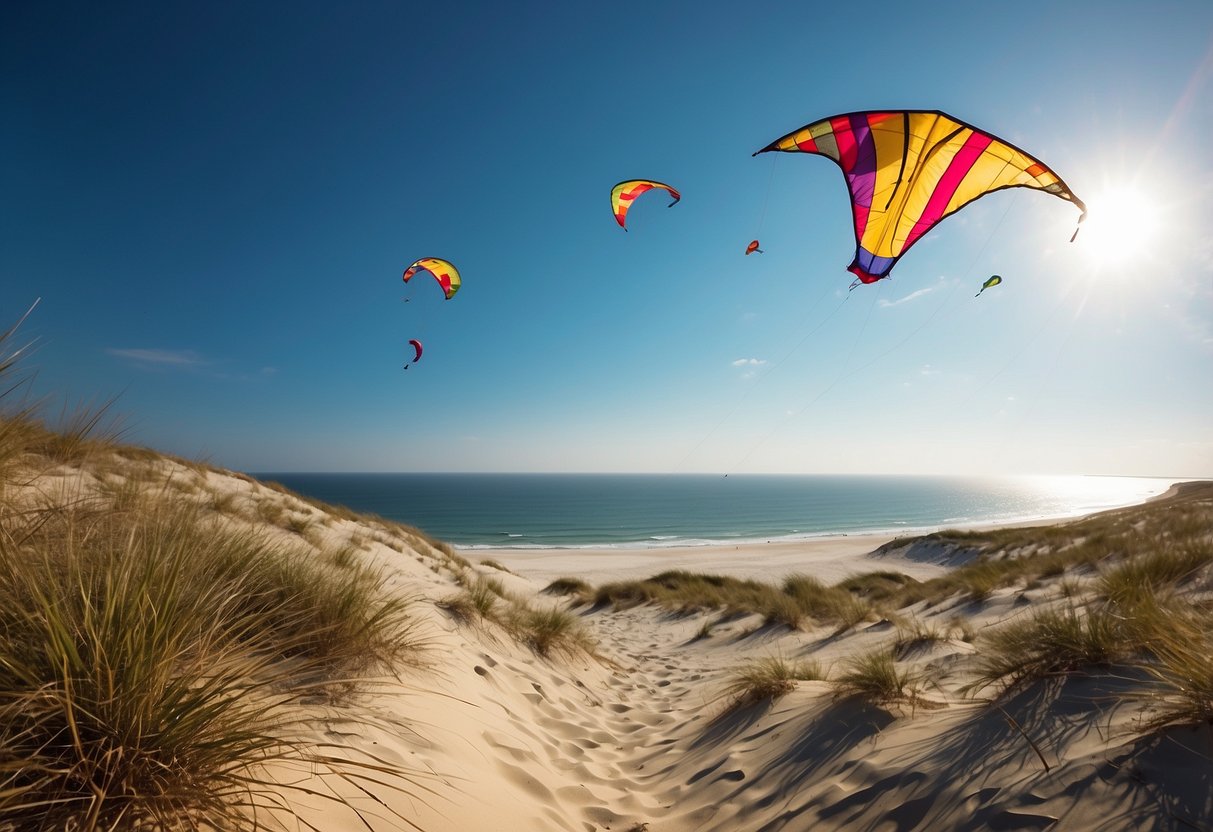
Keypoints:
pixel 639 734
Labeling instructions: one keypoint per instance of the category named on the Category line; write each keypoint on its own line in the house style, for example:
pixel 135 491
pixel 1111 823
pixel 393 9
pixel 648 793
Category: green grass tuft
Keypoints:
pixel 548 630
pixel 1052 642
pixel 874 677
pixel 569 586
pixel 767 678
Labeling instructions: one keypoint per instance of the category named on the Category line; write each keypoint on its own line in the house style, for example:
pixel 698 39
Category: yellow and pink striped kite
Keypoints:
pixel 908 169
pixel 623 194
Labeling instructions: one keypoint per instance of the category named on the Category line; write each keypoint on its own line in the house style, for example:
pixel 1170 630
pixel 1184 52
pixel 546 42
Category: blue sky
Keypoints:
pixel 215 202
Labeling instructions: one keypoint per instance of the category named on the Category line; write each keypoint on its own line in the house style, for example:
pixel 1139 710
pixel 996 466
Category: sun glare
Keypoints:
pixel 1121 227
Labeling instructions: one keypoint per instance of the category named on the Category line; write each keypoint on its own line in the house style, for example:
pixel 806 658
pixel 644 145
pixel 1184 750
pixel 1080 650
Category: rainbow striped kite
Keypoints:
pixel 908 169
pixel 623 194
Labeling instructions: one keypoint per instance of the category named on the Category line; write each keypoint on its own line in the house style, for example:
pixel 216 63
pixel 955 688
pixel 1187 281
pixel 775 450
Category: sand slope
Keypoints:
pixel 488 735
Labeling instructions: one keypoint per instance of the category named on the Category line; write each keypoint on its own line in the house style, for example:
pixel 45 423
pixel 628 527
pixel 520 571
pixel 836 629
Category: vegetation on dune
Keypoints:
pixel 477 600
pixel 1182 673
pixel 767 678
pixel 569 586
pixel 1053 641
pixel 875 677
pixel 151 664
pixel 155 658
pixel 801 599
pixel 547 630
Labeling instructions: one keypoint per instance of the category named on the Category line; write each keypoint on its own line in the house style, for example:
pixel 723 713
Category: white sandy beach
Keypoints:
pixel 828 558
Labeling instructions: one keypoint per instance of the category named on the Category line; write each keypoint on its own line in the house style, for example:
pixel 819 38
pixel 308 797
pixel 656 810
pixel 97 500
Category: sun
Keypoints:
pixel 1121 227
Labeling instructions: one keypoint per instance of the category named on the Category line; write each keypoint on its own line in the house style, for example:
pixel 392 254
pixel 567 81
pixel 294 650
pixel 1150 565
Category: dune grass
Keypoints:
pixel 915 635
pixel 1182 693
pixel 570 586
pixel 766 679
pixel 547 630
pixel 477 600
pixel 152 664
pixel 828 604
pixel 799 601
pixel 1056 641
pixel 1164 566
pixel 154 661
pixel 875 677
pixel 877 586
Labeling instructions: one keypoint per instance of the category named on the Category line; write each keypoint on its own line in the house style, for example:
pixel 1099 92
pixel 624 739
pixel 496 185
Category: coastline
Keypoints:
pixel 830 558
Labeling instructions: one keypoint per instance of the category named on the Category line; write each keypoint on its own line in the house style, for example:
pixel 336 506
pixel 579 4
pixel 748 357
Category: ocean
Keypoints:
pixel 492 511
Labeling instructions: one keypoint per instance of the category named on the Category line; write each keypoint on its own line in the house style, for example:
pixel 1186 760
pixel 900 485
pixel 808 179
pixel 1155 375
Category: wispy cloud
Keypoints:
pixel 907 298
pixel 749 362
pixel 161 358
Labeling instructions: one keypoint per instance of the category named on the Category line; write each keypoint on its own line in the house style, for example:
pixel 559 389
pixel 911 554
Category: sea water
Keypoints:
pixel 653 510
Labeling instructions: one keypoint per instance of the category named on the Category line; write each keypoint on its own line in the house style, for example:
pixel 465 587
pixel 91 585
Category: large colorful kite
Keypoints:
pixel 623 194
pixel 441 270
pixel 908 169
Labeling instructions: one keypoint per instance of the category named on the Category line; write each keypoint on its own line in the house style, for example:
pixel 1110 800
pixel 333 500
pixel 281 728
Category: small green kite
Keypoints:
pixel 993 281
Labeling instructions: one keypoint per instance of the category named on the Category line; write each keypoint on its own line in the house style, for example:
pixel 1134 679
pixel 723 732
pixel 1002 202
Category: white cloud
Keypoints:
pixel 168 358
pixel 749 362
pixel 907 298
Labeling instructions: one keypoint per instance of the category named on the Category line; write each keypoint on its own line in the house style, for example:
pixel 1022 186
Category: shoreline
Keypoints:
pixel 830 557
